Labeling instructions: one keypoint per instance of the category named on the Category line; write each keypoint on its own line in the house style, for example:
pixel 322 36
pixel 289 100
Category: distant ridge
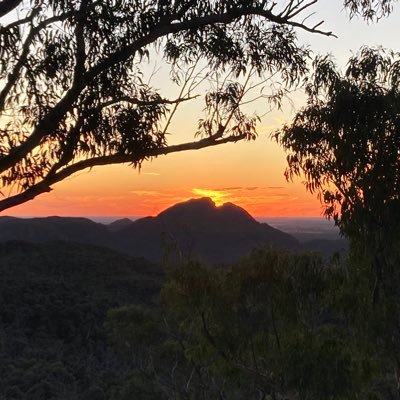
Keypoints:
pixel 118 224
pixel 199 229
pixel 195 229
pixel 70 229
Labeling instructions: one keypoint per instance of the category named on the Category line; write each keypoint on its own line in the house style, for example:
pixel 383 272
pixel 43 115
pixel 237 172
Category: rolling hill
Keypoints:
pixel 199 229
pixel 196 228
pixel 41 230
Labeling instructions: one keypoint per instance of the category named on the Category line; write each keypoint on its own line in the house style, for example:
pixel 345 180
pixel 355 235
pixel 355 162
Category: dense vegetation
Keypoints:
pixel 277 325
pixel 274 325
pixel 53 303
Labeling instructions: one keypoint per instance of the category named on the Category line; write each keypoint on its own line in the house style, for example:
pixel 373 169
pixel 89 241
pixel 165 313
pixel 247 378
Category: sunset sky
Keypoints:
pixel 249 174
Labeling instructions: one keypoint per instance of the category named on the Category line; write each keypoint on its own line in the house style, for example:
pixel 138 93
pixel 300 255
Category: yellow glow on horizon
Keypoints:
pixel 218 197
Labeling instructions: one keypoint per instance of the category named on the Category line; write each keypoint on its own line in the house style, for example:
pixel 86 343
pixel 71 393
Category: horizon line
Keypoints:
pixel 144 216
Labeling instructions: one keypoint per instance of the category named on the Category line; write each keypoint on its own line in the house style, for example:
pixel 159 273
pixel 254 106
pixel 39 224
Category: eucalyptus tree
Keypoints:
pixel 73 93
pixel 346 143
pixel 370 9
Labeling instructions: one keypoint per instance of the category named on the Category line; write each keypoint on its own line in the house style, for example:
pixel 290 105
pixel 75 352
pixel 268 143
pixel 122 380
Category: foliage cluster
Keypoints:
pixel 278 325
pixel 345 141
pixel 53 303
pixel 74 92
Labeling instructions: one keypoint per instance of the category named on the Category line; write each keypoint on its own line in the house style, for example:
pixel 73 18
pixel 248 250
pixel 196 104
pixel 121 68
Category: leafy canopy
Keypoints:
pixel 276 325
pixel 370 9
pixel 346 140
pixel 73 88
pixel 74 92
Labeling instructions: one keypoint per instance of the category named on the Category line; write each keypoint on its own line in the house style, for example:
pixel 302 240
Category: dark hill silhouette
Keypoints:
pixel 196 228
pixel 119 224
pixel 202 212
pixel 199 229
pixel 41 230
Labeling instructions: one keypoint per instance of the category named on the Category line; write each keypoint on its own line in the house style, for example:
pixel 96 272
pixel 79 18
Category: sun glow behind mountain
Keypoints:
pixel 218 197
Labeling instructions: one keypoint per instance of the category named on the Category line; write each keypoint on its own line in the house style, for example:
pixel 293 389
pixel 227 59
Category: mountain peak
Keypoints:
pixel 196 229
pixel 199 229
pixel 232 208
pixel 204 211
pixel 202 203
pixel 119 224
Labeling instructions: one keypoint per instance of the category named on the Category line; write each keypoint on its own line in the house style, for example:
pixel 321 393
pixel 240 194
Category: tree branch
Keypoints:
pixel 80 51
pixel 194 23
pixel 21 21
pixel 8 5
pixel 138 102
pixel 52 119
pixel 14 74
pixel 45 185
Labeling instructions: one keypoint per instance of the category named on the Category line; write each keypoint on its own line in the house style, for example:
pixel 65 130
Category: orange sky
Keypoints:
pixel 249 174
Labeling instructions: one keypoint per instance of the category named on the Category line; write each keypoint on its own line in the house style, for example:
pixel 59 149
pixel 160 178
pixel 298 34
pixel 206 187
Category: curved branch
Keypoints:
pixel 138 102
pixel 14 74
pixel 8 5
pixel 45 185
pixel 297 10
pixel 228 17
pixel 47 124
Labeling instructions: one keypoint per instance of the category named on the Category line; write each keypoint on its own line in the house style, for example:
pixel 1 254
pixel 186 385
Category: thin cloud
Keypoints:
pixel 109 198
pixel 144 192
pixel 252 188
pixel 226 189
pixel 151 173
